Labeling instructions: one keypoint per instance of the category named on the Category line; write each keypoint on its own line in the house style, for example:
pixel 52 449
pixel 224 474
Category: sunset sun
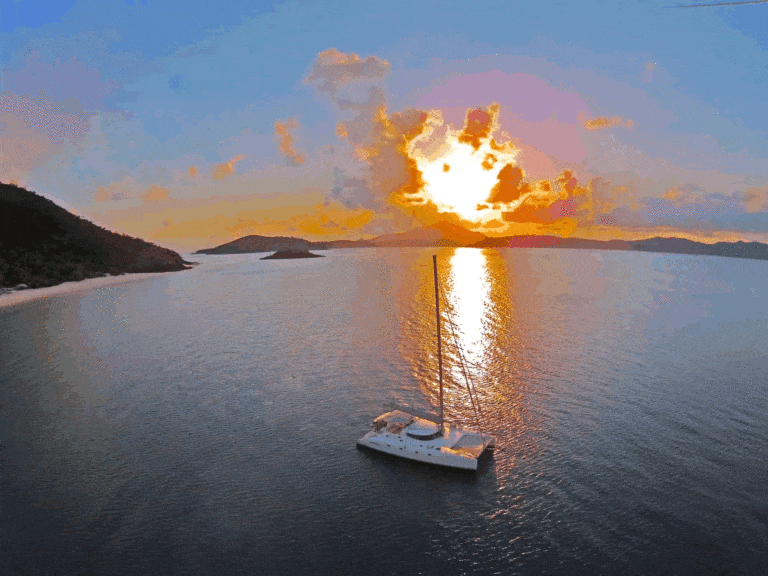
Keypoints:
pixel 460 176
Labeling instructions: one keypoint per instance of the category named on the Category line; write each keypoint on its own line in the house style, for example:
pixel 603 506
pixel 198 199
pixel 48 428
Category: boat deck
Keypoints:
pixel 402 434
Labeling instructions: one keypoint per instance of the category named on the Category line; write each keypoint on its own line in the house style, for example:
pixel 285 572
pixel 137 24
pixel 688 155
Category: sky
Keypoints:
pixel 194 123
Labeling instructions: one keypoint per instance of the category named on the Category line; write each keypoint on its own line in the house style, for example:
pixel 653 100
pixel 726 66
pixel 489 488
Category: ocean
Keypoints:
pixel 204 422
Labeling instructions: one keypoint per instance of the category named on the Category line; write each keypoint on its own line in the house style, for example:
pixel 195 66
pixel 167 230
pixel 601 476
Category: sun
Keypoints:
pixel 460 177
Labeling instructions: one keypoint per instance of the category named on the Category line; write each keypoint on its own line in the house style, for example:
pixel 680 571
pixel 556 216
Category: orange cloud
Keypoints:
pixel 478 125
pixel 285 146
pixel 756 199
pixel 559 210
pixel 192 171
pixel 221 171
pixel 335 68
pixel 685 194
pixel 115 191
pixel 602 122
pixel 489 161
pixel 191 224
pixel 393 172
pixel 510 185
pixel 325 221
pixel 155 194
pixel 382 141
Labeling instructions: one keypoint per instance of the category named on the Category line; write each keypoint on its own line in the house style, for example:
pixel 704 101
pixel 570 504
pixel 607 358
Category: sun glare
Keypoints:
pixel 461 177
pixel 469 295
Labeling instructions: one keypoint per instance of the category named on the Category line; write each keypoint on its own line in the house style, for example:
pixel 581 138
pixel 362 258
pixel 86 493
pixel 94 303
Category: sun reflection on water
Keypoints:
pixel 481 305
pixel 468 295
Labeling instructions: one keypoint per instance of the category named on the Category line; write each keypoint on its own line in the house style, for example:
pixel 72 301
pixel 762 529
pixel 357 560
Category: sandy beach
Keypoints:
pixel 21 296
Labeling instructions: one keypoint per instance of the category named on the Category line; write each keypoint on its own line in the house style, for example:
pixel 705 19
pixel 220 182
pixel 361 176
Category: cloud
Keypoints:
pixel 285 146
pixel 22 149
pixel 121 190
pixel 192 171
pixel 564 206
pixel 478 125
pixel 685 194
pixel 44 107
pixel 155 194
pixel 194 223
pixel 602 122
pixel 510 185
pixel 71 84
pixel 331 219
pixel 378 140
pixel 393 174
pixel 221 171
pixel 60 121
pixel 334 69
pixel 756 199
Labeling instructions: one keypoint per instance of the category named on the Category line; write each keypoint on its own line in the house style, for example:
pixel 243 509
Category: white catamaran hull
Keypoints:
pixel 415 435
pixel 454 446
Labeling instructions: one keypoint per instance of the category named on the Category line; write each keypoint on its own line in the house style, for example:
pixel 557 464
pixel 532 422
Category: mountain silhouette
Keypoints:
pixel 448 234
pixel 42 244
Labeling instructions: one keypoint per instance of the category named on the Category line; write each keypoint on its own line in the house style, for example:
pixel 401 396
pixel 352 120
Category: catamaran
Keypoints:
pixel 426 437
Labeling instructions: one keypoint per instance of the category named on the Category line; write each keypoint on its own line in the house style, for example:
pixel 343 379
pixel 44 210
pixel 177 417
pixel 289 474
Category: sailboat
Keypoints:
pixel 426 437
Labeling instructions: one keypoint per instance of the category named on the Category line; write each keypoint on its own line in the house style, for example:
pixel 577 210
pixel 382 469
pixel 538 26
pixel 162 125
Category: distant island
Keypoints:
pixel 291 253
pixel 446 234
pixel 42 244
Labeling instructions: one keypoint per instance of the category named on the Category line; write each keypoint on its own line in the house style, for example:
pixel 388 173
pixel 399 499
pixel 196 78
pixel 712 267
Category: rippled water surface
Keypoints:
pixel 205 421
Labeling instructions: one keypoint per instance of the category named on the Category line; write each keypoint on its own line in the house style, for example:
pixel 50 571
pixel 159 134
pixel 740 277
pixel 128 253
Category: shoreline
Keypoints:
pixel 29 294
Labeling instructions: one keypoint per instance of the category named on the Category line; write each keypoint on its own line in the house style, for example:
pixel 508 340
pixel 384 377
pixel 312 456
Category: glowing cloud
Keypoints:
pixel 221 171
pixel 478 125
pixel 602 122
pixel 192 171
pixel 285 146
pixel 510 185
pixel 459 168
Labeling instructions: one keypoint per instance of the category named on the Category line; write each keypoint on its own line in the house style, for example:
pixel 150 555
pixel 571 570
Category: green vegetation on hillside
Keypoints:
pixel 41 244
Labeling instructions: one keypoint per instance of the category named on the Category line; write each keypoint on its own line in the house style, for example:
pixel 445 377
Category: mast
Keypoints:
pixel 439 342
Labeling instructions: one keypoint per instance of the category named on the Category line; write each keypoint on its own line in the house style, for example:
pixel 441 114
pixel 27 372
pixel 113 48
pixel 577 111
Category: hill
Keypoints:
pixel 441 234
pixel 446 234
pixel 751 250
pixel 256 243
pixel 42 244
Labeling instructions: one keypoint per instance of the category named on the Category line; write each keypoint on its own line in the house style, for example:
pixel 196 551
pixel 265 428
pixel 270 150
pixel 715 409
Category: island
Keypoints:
pixel 446 234
pixel 42 244
pixel 291 253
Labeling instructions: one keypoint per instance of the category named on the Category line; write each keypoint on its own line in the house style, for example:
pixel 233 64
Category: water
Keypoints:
pixel 205 421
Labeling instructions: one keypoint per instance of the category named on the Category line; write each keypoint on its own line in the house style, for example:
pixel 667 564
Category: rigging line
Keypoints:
pixel 452 325
pixel 450 322
pixel 471 388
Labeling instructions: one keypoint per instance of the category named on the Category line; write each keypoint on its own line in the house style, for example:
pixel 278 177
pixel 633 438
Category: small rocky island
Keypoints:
pixel 291 253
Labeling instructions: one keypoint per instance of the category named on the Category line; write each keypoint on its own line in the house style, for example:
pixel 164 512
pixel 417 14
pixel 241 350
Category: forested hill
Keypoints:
pixel 42 244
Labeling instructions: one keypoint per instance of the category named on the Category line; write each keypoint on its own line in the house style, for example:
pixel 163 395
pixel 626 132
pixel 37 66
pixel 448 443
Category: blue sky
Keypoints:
pixel 191 122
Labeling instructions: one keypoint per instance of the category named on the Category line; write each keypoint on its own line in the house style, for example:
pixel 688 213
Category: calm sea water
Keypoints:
pixel 205 421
